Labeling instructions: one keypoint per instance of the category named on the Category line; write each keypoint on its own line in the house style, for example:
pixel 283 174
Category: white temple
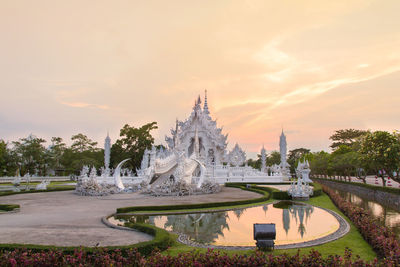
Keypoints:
pixel 197 154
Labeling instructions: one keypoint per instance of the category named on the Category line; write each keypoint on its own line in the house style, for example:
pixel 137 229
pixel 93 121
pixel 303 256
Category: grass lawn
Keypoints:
pixel 352 240
pixel 8 207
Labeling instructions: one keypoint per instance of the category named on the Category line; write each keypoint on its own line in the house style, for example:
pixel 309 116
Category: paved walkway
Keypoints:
pixel 280 187
pixel 371 180
pixel 66 219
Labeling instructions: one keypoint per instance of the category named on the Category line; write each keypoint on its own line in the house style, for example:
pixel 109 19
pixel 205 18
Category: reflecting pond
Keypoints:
pixel 389 217
pixel 295 223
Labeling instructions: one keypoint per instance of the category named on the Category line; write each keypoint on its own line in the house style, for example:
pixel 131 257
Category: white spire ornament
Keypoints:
pixel 284 166
pixel 205 108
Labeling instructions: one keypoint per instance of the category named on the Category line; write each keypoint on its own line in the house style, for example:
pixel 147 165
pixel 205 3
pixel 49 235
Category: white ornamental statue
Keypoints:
pixel 237 156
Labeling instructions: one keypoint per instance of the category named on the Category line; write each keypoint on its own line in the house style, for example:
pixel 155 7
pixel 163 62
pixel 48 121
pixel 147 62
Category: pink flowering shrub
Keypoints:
pixel 381 238
pixel 102 257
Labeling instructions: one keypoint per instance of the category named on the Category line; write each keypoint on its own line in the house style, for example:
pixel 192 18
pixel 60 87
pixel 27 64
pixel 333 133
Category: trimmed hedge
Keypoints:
pixel 51 189
pixel 317 189
pixel 162 240
pixel 369 186
pixel 266 192
pixel 281 195
pixel 9 207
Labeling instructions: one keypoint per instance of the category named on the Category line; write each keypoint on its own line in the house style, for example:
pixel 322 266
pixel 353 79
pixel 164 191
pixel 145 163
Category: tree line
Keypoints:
pixel 354 153
pixel 30 155
pixel 359 153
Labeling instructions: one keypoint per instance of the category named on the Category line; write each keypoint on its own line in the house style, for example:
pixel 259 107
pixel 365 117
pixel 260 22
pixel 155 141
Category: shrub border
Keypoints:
pixel 8 207
pixel 381 238
pixel 55 189
pixel 162 240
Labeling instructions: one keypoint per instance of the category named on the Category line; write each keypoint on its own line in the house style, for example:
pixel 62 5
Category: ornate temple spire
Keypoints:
pixel 283 147
pixel 196 142
pixel 205 108
pixel 107 150
pixel 176 137
pixel 263 159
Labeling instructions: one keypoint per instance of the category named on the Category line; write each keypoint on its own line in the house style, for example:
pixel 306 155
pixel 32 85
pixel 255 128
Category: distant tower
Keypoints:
pixel 263 159
pixel 107 151
pixel 205 108
pixel 283 148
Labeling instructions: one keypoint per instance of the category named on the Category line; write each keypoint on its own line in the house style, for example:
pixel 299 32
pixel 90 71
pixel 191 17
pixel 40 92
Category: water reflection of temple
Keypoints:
pixel 295 222
pixel 300 213
pixel 203 227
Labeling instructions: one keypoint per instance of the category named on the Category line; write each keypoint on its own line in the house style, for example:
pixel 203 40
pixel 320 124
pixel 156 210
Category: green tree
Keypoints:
pixel 345 164
pixel 82 143
pixel 381 151
pixel 273 158
pixel 348 137
pixel 319 164
pixel 31 155
pixel 55 153
pixel 3 157
pixel 8 160
pixel 294 156
pixel 255 163
pixel 132 144
pixel 83 151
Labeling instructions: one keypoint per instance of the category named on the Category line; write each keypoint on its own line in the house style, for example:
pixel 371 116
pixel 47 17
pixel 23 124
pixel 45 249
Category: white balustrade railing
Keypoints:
pixel 7 179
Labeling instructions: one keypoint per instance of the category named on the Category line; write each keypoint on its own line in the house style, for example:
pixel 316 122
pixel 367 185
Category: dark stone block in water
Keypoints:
pixel 264 231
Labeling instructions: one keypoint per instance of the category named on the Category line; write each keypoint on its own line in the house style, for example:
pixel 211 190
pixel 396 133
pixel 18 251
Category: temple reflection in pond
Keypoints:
pixel 295 223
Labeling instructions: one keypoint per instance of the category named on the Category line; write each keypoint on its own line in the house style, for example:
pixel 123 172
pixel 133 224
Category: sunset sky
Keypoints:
pixel 311 67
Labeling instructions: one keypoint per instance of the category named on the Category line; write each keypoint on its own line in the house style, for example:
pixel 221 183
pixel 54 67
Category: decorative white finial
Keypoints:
pixel 205 108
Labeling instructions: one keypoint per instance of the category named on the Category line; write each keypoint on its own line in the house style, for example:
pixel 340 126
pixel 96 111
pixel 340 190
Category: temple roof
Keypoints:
pixel 200 118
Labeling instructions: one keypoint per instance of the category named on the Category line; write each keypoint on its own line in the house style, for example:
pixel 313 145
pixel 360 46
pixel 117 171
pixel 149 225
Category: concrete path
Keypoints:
pixel 372 181
pixel 66 219
pixel 280 187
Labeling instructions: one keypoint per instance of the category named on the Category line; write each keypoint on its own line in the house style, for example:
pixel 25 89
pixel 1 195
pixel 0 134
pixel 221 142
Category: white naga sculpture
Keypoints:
pixel 43 185
pixel 117 175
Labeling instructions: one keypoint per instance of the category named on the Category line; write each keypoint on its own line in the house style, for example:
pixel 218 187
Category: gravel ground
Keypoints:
pixel 66 219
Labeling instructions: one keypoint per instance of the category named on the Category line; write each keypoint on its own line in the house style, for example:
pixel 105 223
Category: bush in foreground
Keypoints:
pixel 380 237
pixel 103 257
